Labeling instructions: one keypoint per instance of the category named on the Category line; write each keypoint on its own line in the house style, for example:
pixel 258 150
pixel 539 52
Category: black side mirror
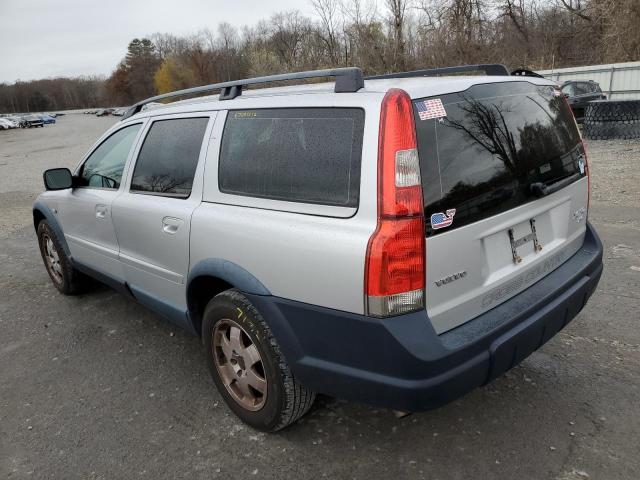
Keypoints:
pixel 57 179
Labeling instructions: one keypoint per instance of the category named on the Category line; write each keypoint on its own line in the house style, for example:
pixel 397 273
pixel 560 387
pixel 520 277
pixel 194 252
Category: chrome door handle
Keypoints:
pixel 170 225
pixel 101 212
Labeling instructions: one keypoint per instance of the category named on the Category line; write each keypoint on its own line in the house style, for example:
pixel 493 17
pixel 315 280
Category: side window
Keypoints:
pixel 168 158
pixel 103 168
pixel 308 155
pixel 582 88
pixel 569 89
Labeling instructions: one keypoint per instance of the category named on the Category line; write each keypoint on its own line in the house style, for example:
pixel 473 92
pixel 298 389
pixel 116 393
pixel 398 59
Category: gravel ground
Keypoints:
pixel 97 387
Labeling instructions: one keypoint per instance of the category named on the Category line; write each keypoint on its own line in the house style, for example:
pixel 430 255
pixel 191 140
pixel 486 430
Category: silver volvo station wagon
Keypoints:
pixel 397 240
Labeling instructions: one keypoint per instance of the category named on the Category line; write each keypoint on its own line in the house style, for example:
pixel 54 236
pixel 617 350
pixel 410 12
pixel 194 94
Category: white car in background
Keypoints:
pixel 6 124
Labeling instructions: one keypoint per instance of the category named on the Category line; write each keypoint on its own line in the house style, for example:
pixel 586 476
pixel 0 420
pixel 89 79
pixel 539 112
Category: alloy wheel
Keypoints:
pixel 239 365
pixel 52 258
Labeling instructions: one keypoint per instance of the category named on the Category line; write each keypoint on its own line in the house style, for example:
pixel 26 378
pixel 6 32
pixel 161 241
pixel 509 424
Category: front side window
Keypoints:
pixel 104 167
pixel 169 156
pixel 307 155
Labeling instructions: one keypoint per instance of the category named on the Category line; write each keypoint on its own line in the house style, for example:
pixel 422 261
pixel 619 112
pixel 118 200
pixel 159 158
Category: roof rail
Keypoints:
pixel 347 80
pixel 487 68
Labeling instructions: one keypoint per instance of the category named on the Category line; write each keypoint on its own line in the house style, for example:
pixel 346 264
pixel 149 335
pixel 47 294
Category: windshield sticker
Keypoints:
pixel 431 109
pixel 441 220
pixel 245 115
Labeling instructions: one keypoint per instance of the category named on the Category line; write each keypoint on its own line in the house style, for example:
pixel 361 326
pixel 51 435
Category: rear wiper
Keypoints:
pixel 540 189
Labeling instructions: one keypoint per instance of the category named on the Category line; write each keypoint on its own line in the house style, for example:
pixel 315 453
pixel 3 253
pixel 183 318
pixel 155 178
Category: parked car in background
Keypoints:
pixel 17 120
pixel 579 93
pixel 47 119
pixel 6 124
pixel 32 121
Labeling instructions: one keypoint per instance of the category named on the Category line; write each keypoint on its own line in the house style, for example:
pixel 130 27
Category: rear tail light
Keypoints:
pixel 586 169
pixel 584 148
pixel 395 263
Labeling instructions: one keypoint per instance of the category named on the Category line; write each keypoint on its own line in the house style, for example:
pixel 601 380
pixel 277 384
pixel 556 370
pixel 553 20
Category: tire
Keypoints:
pixel 612 120
pixel 65 278
pixel 612 130
pixel 276 403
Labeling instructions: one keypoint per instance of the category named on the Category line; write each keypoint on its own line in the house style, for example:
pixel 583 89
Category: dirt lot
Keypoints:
pixel 97 387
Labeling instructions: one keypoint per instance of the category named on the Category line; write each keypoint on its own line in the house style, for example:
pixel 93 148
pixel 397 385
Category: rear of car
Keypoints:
pixel 505 189
pixel 480 251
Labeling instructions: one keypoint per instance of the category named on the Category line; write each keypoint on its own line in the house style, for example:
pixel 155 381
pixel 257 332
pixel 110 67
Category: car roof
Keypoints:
pixel 416 87
pixel 578 81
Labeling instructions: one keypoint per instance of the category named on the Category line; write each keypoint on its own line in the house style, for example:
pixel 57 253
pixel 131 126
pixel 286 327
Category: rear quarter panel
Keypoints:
pixel 307 253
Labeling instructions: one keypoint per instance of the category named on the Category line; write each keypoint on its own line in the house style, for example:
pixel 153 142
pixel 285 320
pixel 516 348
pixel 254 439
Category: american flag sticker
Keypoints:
pixel 431 109
pixel 441 220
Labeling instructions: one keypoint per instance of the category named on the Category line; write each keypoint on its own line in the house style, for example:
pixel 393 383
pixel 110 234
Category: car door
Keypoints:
pixel 594 92
pixel 152 217
pixel 85 211
pixel 583 96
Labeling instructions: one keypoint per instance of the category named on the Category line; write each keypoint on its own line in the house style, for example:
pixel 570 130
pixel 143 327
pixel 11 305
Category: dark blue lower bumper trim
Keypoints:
pixel 402 363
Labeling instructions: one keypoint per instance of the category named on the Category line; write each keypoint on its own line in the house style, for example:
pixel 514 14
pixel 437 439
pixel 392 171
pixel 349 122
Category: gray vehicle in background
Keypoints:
pixel 580 93
pixel 397 240
pixel 29 121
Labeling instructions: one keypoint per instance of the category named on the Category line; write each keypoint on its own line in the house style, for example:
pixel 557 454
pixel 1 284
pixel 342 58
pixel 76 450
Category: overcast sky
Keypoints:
pixel 50 38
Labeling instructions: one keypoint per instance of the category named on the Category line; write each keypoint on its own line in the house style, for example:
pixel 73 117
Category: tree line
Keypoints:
pixel 382 37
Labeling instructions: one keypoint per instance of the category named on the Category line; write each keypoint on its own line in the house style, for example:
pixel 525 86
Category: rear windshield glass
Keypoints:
pixel 309 155
pixel 494 147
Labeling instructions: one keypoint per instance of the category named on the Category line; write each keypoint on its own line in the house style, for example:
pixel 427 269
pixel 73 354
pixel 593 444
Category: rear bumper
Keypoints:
pixel 402 363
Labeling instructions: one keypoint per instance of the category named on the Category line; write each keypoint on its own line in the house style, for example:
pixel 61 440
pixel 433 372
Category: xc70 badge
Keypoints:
pixel 450 278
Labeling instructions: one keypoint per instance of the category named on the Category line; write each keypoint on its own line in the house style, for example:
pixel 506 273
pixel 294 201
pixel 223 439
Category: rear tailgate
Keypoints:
pixel 505 194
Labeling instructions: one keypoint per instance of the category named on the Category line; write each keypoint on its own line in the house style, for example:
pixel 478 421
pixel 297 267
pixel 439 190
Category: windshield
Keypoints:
pixel 494 143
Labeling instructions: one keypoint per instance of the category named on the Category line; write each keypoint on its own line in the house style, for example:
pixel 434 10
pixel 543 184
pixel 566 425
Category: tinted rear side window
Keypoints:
pixel 309 155
pixel 168 158
pixel 494 143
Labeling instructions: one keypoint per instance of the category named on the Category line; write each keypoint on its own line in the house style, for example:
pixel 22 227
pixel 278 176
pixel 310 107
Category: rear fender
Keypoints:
pixel 231 273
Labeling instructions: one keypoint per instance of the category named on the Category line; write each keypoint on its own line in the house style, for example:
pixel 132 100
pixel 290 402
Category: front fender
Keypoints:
pixel 40 206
